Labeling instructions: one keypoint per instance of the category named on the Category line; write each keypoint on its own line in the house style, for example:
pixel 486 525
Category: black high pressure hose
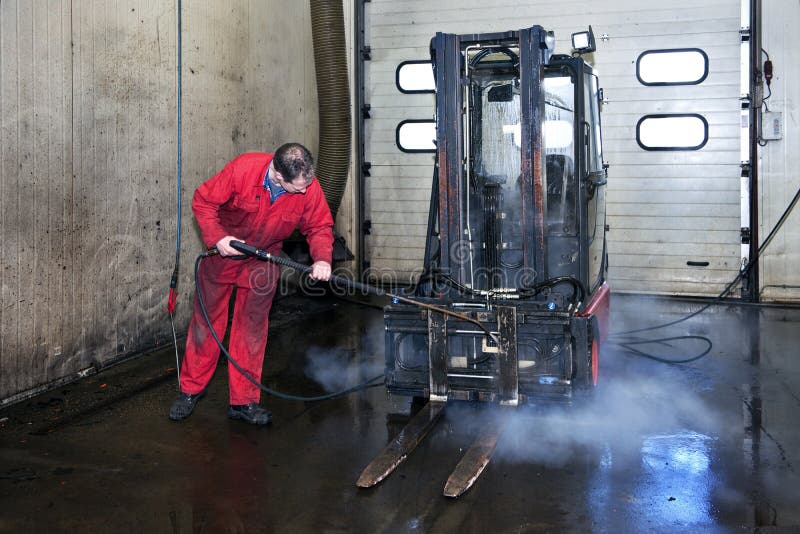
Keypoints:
pixel 358 286
pixel 334 279
pixel 364 385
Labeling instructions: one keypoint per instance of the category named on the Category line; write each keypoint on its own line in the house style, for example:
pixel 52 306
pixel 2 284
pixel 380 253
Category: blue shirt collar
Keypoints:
pixel 275 190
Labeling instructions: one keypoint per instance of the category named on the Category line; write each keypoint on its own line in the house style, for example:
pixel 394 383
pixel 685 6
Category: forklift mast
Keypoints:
pixel 516 230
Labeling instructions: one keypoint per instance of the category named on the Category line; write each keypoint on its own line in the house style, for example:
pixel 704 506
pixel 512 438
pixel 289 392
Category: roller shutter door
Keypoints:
pixel 674 216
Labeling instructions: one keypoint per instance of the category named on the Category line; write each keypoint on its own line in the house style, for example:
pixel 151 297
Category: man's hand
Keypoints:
pixel 321 270
pixel 224 246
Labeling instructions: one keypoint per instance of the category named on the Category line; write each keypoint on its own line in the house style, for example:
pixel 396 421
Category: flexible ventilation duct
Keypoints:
pixel 333 94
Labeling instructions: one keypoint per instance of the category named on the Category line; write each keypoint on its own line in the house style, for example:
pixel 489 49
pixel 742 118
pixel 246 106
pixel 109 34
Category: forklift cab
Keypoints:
pixel 516 227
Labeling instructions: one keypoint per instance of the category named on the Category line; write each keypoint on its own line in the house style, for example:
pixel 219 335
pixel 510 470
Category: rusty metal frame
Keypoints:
pixel 531 67
pixel 449 130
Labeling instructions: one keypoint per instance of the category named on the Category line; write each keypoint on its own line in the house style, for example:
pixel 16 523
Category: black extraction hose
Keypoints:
pixel 333 95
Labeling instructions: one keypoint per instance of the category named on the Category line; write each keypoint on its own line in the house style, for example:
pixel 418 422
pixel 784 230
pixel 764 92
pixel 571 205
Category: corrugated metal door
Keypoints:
pixel 674 216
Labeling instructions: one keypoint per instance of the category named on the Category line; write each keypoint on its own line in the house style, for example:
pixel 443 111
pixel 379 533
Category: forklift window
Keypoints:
pixel 591 99
pixel 558 134
pixel 500 153
pixel 497 169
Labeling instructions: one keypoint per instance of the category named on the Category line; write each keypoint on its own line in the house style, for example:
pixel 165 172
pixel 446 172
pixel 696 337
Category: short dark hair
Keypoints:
pixel 293 160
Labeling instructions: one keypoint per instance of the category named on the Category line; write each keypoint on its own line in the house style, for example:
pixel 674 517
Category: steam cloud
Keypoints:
pixel 620 415
pixel 334 369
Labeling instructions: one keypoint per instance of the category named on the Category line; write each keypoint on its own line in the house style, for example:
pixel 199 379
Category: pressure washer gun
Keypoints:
pixel 358 286
pixel 299 267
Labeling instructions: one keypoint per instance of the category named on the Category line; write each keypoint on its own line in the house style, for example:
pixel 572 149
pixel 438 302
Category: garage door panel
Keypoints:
pixel 699 221
pixel 634 109
pixel 400 221
pixel 705 157
pixel 385 156
pixel 657 171
pixel 403 206
pixel 612 123
pixel 393 269
pixel 623 7
pixel 391 116
pixel 702 236
pixel 684 250
pixel 456 17
pixel 680 276
pixel 645 199
pixel 404 191
pixel 668 184
pixel 678 262
pixel 667 94
pixel 669 210
pixel 404 241
pixel 415 188
pixel 657 287
pixel 415 171
pixel 389 90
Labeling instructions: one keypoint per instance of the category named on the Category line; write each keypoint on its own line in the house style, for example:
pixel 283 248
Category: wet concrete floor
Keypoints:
pixel 710 446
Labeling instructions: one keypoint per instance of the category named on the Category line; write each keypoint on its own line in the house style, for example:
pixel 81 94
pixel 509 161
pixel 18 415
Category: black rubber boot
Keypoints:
pixel 184 405
pixel 252 413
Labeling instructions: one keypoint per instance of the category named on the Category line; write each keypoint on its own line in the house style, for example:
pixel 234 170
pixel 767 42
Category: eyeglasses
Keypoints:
pixel 293 187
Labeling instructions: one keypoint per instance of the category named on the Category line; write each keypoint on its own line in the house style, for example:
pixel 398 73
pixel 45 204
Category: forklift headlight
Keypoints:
pixel 583 42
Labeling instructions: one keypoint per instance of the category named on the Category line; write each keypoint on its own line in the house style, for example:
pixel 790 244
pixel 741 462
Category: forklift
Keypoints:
pixel 512 305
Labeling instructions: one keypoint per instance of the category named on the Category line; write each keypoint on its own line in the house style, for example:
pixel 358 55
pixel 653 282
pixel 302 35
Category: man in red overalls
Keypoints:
pixel 259 199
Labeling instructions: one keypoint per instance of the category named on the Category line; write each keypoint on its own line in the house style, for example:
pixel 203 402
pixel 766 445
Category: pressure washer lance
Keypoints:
pixel 358 286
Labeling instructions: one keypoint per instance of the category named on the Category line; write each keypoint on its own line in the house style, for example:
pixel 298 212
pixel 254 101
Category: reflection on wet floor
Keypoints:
pixel 709 446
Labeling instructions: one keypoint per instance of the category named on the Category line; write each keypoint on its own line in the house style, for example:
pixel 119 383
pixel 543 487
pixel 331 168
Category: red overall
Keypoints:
pixel 234 202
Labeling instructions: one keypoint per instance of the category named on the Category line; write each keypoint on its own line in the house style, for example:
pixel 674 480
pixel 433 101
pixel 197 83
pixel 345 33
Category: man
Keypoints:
pixel 259 199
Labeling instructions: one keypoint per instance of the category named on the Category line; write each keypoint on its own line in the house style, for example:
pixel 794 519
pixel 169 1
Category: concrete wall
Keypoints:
pixel 88 157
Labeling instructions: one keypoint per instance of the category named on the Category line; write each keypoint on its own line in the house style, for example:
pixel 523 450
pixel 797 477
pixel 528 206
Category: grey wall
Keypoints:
pixel 87 161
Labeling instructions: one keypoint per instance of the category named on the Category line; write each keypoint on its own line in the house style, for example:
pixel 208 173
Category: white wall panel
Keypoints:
pixel 664 208
pixel 780 160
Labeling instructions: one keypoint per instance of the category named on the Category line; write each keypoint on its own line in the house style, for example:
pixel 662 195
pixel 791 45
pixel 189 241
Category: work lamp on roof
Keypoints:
pixel 583 42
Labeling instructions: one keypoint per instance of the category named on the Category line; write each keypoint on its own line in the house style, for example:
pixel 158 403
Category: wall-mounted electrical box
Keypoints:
pixel 771 125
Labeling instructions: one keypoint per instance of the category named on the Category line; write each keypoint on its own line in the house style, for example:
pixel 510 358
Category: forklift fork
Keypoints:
pixel 478 455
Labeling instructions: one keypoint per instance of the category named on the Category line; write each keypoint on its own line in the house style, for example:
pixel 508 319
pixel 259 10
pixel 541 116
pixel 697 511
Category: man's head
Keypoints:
pixel 294 167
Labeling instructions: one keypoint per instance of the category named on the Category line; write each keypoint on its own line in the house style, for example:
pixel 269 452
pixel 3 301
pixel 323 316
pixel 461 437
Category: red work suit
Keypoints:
pixel 235 202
